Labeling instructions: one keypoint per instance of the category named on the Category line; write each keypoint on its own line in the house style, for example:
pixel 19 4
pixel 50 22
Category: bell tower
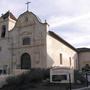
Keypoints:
pixel 7 22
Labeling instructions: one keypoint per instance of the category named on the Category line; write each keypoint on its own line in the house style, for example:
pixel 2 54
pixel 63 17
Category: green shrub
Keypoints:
pixel 31 77
pixel 37 75
pixel 79 76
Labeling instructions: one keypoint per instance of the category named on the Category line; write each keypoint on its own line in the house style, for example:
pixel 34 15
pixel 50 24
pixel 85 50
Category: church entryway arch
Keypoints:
pixel 25 61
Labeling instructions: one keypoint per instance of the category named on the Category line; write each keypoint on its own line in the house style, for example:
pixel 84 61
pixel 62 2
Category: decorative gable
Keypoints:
pixel 27 19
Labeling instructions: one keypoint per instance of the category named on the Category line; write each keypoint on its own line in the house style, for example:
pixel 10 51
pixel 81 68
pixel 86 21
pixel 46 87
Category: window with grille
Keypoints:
pixel 26 41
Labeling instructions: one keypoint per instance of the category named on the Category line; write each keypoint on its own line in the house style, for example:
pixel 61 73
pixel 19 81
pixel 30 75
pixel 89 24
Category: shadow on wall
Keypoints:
pixel 50 61
pixel 75 61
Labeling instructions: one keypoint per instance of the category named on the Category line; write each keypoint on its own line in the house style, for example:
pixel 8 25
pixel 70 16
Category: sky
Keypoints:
pixel 70 19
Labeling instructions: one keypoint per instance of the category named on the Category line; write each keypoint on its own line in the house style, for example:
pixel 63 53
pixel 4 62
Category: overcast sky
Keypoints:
pixel 68 18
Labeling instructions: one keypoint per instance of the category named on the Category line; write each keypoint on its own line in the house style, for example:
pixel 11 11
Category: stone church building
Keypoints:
pixel 27 43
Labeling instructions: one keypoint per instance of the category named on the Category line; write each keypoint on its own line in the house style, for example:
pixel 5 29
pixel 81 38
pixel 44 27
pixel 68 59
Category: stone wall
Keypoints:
pixel 84 58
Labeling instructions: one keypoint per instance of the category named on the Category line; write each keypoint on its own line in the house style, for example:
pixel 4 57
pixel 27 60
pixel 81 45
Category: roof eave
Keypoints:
pixel 54 35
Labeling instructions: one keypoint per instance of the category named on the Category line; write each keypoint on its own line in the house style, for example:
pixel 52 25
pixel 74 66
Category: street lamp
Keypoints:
pixel 70 85
pixel 87 78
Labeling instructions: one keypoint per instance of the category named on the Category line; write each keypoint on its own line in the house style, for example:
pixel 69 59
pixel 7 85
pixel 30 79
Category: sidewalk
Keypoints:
pixel 84 88
pixel 3 80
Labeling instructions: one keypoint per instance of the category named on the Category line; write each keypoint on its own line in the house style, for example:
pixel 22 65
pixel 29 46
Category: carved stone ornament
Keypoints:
pixel 26 19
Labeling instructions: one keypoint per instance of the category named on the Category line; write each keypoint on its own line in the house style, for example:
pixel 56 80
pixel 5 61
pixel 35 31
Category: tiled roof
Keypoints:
pixel 54 35
pixel 83 49
pixel 7 14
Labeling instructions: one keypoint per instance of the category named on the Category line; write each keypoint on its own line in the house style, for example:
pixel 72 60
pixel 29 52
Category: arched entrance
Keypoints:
pixel 25 61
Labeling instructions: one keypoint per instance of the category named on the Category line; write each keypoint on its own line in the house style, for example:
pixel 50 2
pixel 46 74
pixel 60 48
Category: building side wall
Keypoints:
pixel 55 48
pixel 84 58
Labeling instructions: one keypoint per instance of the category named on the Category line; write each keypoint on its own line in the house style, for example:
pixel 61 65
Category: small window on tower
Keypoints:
pixel 3 31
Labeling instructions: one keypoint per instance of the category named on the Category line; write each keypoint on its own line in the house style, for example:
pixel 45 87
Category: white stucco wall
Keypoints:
pixel 11 24
pixel 54 48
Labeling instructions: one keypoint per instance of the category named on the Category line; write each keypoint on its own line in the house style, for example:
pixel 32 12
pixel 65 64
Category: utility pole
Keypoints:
pixel 87 78
pixel 70 82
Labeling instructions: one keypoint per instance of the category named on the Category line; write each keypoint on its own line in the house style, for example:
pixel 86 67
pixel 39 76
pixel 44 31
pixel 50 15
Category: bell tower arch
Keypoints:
pixel 8 21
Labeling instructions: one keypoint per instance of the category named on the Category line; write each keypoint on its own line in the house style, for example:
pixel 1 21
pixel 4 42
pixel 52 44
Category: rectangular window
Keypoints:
pixel 59 77
pixel 70 61
pixel 3 31
pixel 26 41
pixel 60 58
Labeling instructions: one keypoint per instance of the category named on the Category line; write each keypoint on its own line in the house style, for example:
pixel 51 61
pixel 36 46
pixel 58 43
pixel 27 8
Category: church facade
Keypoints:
pixel 27 43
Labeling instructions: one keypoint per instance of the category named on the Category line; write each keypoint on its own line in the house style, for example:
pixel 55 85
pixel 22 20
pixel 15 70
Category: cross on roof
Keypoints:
pixel 27 5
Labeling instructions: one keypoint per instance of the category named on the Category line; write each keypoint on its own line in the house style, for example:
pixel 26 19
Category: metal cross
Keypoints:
pixel 28 5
